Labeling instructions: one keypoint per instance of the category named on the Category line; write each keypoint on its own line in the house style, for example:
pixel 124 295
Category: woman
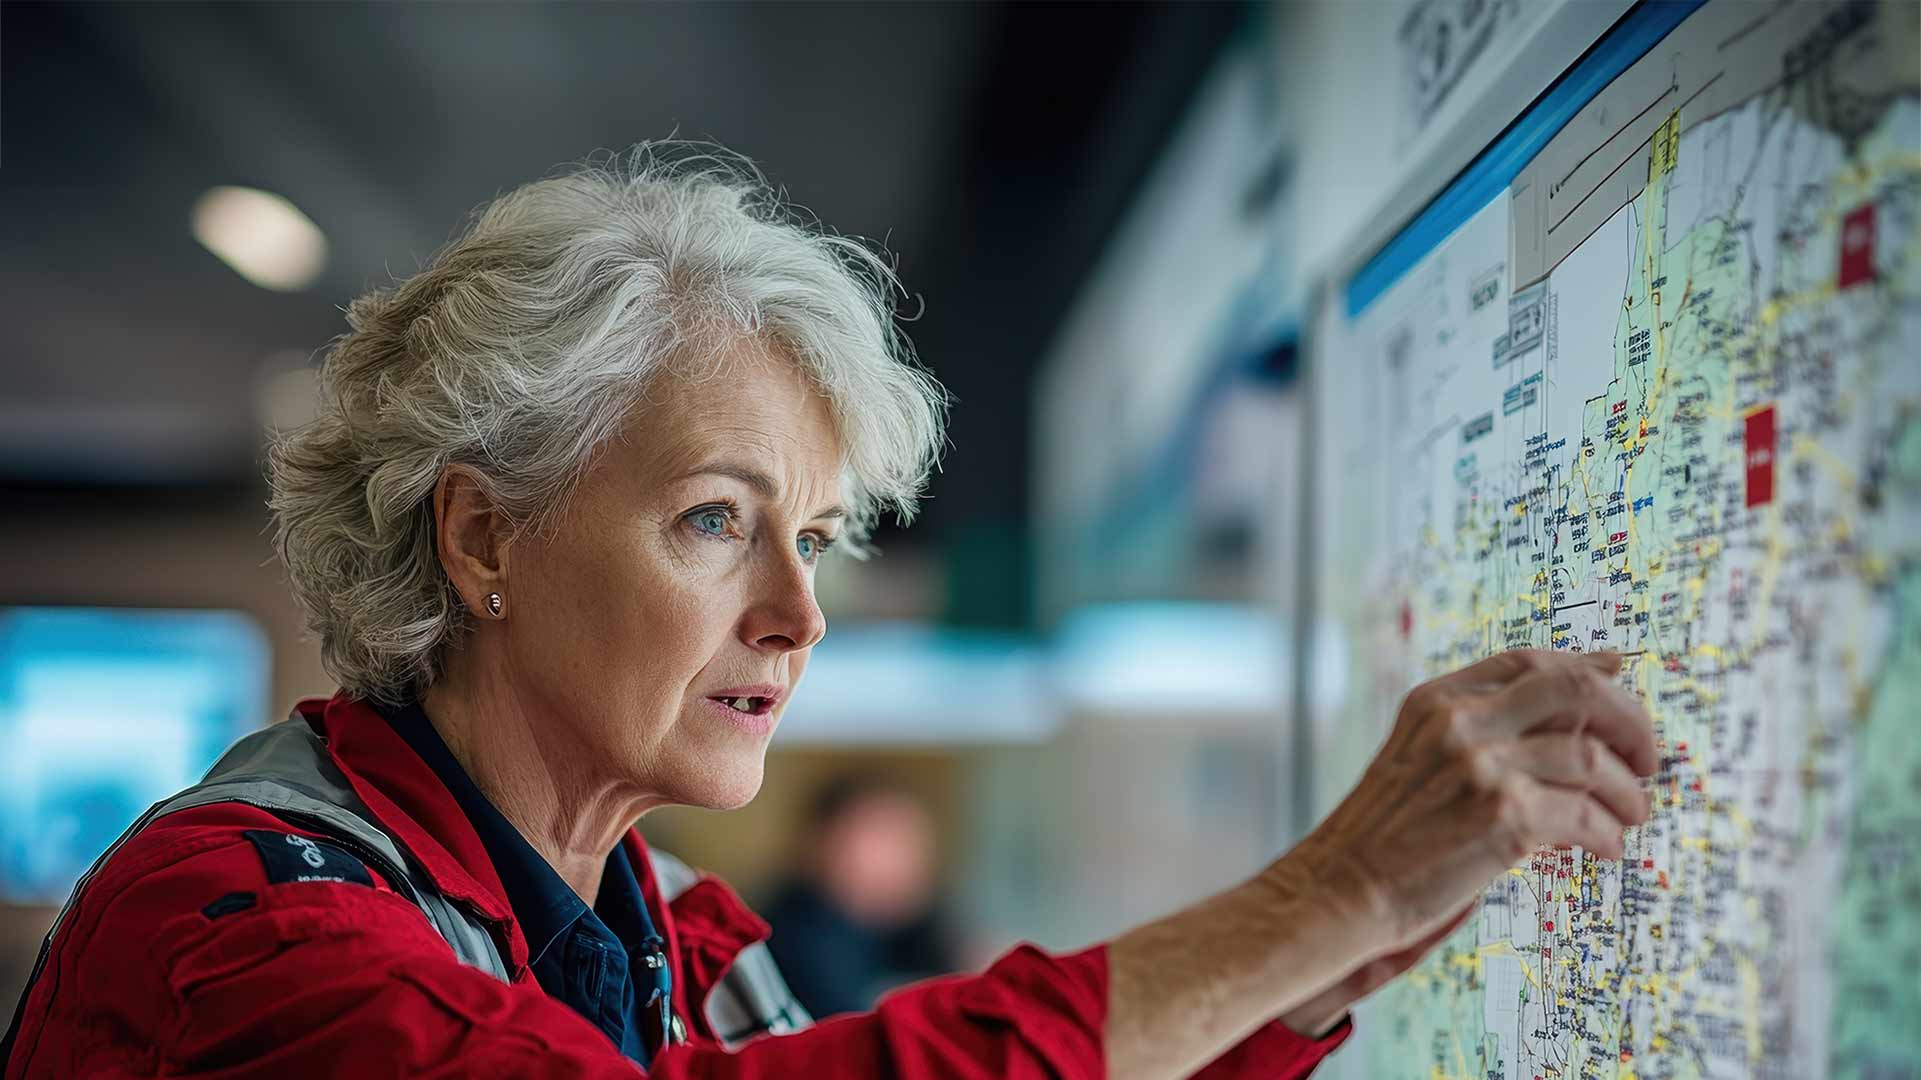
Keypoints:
pixel 557 529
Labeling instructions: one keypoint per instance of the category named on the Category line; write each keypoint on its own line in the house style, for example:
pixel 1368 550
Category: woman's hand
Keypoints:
pixel 1522 750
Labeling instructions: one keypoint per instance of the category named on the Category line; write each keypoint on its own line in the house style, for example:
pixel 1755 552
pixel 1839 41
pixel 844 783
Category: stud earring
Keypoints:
pixel 493 604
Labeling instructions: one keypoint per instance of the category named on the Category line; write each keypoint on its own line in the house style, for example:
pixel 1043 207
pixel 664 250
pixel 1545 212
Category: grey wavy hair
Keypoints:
pixel 522 348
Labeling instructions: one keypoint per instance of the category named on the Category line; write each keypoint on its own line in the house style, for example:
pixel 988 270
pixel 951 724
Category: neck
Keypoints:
pixel 538 774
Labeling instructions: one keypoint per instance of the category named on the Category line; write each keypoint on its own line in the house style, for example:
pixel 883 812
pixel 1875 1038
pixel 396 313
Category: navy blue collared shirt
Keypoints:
pixel 606 962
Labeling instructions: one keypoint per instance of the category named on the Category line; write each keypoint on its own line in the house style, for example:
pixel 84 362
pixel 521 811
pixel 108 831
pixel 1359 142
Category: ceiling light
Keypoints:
pixel 265 238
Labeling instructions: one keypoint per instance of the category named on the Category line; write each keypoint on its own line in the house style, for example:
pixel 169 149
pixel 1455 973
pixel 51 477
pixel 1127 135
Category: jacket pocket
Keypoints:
pixel 195 950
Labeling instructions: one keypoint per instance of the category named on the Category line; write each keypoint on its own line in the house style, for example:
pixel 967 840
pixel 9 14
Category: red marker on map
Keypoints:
pixel 1760 456
pixel 1857 247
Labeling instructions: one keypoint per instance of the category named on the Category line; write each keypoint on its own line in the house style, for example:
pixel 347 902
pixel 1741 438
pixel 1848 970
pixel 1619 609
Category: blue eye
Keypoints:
pixel 713 521
pixel 812 546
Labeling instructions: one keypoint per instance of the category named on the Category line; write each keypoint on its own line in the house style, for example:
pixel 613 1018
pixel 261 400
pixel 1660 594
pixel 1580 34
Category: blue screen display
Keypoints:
pixel 104 712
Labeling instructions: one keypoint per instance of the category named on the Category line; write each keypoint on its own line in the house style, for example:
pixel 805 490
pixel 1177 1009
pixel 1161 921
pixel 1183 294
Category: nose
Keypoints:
pixel 783 617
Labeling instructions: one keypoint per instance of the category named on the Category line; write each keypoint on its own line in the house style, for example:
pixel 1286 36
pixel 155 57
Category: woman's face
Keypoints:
pixel 662 627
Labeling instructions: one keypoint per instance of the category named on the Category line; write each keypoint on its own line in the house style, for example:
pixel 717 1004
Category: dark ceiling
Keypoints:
pixel 992 146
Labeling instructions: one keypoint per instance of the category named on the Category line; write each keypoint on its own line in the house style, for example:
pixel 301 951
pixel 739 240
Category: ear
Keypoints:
pixel 471 536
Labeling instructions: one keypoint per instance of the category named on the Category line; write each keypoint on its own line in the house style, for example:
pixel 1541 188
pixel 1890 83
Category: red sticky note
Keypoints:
pixel 1760 456
pixel 1857 247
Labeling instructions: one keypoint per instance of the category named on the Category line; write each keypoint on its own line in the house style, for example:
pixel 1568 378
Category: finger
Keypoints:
pixel 1583 762
pixel 1579 697
pixel 1558 815
pixel 1609 662
pixel 1505 667
pixel 1498 670
pixel 1627 728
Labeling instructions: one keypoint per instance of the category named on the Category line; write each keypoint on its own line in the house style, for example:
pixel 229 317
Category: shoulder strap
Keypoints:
pixel 285 770
pixel 753 998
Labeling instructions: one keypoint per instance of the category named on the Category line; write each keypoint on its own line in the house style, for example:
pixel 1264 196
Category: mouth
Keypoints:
pixel 748 700
pixel 752 706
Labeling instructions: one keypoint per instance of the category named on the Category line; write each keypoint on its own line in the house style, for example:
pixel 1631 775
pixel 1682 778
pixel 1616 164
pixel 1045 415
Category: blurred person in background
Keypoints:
pixel 856 917
pixel 556 527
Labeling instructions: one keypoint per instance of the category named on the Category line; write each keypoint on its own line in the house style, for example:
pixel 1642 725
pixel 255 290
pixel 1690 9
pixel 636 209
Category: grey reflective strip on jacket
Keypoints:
pixel 285 770
pixel 752 999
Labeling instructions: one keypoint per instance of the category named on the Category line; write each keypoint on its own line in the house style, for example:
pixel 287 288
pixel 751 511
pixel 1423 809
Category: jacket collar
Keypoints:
pixel 706 927
pixel 415 808
pixel 545 905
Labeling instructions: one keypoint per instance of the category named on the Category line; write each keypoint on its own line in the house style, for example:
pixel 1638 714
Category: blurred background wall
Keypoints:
pixel 1078 662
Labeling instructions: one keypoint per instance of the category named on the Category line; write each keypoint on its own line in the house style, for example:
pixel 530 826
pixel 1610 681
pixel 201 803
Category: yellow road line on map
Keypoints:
pixel 1502 948
pixel 1806 448
pixel 1664 147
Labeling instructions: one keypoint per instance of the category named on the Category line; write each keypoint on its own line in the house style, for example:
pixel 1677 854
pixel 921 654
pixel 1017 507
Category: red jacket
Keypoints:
pixel 148 976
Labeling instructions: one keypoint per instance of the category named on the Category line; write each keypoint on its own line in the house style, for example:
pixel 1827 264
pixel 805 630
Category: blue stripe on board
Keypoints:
pixel 1489 174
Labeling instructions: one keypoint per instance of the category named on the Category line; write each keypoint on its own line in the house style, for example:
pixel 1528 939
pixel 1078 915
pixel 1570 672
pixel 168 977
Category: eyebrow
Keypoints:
pixel 762 484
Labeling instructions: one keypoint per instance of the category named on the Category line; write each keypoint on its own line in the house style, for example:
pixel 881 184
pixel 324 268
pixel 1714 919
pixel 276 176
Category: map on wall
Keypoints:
pixel 1662 395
